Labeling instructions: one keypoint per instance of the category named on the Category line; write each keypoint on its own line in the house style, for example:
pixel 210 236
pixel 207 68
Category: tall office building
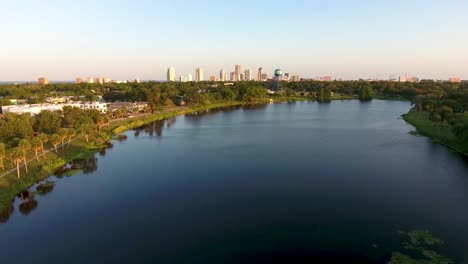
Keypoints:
pixel 90 80
pixel 296 78
pixel 233 76
pixel 189 77
pixel 199 75
pixel 242 77
pixel 248 75
pixel 260 74
pixel 171 74
pixel 212 78
pixel 237 72
pixel 79 80
pixel 43 80
pixel 222 75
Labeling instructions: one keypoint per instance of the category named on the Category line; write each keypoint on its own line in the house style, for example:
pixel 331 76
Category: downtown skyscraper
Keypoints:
pixel 199 75
pixel 171 74
pixel 237 72
pixel 222 75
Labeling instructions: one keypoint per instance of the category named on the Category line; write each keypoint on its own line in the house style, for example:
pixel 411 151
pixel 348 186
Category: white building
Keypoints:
pixel 171 74
pixel 189 77
pixel 35 109
pixel 222 75
pixel 248 75
pixel 199 75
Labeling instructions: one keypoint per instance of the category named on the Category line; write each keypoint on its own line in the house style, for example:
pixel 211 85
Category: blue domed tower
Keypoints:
pixel 278 75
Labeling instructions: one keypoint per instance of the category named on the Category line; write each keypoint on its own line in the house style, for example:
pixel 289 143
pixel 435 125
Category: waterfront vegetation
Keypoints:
pixel 51 139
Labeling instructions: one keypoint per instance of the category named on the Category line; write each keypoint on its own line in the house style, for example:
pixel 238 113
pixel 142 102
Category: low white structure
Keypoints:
pixel 35 109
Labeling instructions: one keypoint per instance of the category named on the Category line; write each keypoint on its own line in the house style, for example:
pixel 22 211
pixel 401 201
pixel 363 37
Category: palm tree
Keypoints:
pixel 55 140
pixel 36 145
pixel 44 139
pixel 100 123
pixel 63 134
pixel 24 146
pixel 70 134
pixel 2 154
pixel 17 158
pixel 86 130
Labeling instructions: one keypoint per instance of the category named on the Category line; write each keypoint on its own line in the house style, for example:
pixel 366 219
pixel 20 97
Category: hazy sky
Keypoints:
pixel 139 39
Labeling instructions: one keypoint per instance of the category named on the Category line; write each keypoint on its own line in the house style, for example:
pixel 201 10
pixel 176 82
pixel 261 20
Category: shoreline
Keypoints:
pixel 438 134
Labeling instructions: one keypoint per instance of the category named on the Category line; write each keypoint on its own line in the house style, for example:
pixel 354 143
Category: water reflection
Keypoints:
pixel 6 212
pixel 28 203
pixel 45 187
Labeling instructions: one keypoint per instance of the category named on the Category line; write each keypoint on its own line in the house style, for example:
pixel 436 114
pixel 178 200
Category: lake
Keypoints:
pixel 283 183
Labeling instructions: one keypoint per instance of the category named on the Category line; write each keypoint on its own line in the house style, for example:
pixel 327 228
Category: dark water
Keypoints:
pixel 287 183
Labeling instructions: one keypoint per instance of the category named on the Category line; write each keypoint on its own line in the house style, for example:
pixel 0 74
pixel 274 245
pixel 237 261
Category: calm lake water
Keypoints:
pixel 292 183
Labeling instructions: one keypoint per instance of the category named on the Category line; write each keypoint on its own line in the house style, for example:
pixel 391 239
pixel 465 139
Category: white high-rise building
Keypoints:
pixel 260 74
pixel 171 74
pixel 248 75
pixel 189 77
pixel 199 75
pixel 222 75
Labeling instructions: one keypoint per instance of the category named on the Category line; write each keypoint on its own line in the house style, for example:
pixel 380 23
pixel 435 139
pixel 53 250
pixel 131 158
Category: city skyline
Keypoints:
pixel 124 40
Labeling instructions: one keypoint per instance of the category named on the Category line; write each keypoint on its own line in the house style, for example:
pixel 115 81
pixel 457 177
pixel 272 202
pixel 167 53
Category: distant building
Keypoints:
pixel 327 78
pixel 171 74
pixel 454 80
pixel 107 80
pixel 43 80
pixel 222 75
pixel 242 77
pixel 259 74
pixel 212 78
pixel 233 76
pixel 296 78
pixel 287 77
pixel 189 77
pixel 90 80
pixel 408 79
pixel 248 75
pixel 199 75
pixel 79 80
pixel 237 72
pixel 264 76
pixel 99 80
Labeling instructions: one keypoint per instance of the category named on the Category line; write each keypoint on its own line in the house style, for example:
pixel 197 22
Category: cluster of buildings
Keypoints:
pixel 35 109
pixel 102 107
pixel 235 76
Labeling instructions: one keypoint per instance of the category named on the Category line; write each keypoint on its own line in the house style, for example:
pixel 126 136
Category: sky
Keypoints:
pixel 348 39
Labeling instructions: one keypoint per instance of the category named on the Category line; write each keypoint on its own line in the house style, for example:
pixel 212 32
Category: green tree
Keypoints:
pixel 17 158
pixel 24 146
pixel 2 155
pixel 44 139
pixel 55 140
pixel 365 92
pixel 324 95
pixel 36 145
pixel 48 122
pixel 63 134
pixel 86 130
pixel 70 134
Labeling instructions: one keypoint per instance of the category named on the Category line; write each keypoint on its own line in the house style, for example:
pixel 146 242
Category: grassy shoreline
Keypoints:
pixel 438 133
